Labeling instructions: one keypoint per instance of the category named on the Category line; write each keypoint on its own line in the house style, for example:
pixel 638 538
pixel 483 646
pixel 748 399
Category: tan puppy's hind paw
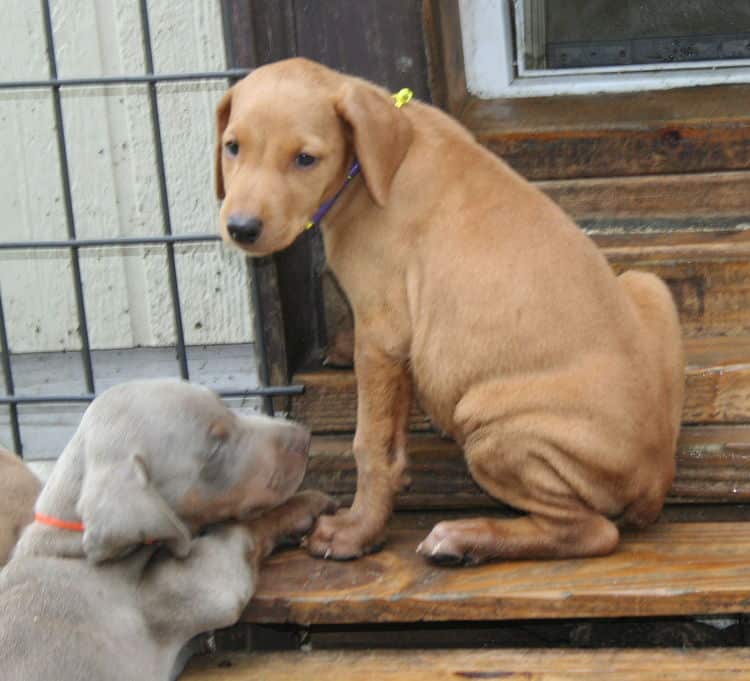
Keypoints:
pixel 477 540
pixel 449 544
pixel 343 536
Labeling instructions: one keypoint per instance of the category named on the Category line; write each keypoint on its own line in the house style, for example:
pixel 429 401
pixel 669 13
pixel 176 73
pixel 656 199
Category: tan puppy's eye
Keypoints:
pixel 305 160
pixel 232 148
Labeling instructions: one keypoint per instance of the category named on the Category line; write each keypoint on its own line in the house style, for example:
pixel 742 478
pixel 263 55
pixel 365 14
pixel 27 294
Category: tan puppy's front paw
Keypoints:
pixel 453 543
pixel 344 536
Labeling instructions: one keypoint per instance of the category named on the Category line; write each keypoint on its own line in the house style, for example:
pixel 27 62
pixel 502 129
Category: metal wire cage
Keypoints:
pixel 167 239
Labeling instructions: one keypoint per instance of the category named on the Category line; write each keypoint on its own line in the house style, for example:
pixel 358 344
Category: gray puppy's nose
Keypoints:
pixel 244 229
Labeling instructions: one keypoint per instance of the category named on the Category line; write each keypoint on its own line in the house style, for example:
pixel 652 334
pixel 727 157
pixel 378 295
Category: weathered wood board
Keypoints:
pixel 713 466
pixel 717 377
pixel 707 271
pixel 678 131
pixel 666 569
pixel 731 664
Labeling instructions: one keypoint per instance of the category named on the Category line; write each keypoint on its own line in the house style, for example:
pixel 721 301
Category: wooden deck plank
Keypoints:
pixel 671 202
pixel 717 374
pixel 713 466
pixel 676 131
pixel 450 665
pixel 666 569
pixel 707 271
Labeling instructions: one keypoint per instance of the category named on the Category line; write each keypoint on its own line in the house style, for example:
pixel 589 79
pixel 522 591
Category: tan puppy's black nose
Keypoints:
pixel 244 229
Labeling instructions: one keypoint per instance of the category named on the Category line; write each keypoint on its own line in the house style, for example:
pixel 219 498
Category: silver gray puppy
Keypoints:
pixel 110 581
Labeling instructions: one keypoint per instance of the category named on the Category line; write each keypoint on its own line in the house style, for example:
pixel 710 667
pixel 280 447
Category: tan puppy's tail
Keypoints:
pixel 661 331
pixel 661 326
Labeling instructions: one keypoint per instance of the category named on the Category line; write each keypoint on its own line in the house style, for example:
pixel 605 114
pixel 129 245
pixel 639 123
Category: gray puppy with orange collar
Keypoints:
pixel 111 581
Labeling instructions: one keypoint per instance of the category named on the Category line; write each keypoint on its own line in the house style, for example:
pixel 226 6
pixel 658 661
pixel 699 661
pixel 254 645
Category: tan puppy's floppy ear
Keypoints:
pixel 121 510
pixel 382 135
pixel 223 109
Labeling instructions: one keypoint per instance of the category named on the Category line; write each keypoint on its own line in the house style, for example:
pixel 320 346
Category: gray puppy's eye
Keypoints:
pixel 304 160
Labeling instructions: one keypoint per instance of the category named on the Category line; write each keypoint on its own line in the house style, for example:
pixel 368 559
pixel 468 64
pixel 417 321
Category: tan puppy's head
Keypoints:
pixel 286 136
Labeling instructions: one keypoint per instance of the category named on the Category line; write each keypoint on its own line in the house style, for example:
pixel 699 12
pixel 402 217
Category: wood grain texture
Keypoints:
pixel 706 199
pixel 713 466
pixel 717 376
pixel 445 56
pixel 673 148
pixel 666 569
pixel 391 29
pixel 689 130
pixel 453 665
pixel 708 272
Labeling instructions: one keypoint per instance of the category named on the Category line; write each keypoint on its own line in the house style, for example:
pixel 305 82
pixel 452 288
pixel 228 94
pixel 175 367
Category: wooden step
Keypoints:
pixel 713 466
pixel 728 664
pixel 666 569
pixel 684 131
pixel 708 273
pixel 717 374
pixel 707 270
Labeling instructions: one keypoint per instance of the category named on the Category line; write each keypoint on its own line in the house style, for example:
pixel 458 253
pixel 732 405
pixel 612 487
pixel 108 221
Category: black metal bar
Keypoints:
pixel 107 81
pixel 168 239
pixel 83 330
pixel 114 241
pixel 9 387
pixel 163 195
pixel 274 391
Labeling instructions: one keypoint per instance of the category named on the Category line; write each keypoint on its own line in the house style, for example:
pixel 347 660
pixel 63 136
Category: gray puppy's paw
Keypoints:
pixel 300 514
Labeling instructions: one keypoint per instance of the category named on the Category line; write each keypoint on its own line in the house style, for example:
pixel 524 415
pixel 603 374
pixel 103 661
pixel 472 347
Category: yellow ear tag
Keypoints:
pixel 402 97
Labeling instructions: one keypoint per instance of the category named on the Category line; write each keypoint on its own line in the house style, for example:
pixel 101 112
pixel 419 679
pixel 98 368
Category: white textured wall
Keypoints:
pixel 113 176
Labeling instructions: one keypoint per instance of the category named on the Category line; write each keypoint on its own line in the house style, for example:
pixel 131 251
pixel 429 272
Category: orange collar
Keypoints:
pixel 70 525
pixel 60 524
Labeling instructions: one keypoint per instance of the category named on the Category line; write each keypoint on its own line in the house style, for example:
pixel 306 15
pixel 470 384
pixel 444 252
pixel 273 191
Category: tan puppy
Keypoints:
pixel 19 488
pixel 562 382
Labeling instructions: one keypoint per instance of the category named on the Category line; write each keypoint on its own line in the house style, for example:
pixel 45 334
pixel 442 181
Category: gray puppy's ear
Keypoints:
pixel 122 510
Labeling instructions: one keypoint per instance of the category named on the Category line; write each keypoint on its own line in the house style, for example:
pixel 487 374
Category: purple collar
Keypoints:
pixel 327 205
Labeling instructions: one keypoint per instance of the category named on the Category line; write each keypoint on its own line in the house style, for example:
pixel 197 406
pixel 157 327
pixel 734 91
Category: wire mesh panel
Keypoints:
pixel 166 242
